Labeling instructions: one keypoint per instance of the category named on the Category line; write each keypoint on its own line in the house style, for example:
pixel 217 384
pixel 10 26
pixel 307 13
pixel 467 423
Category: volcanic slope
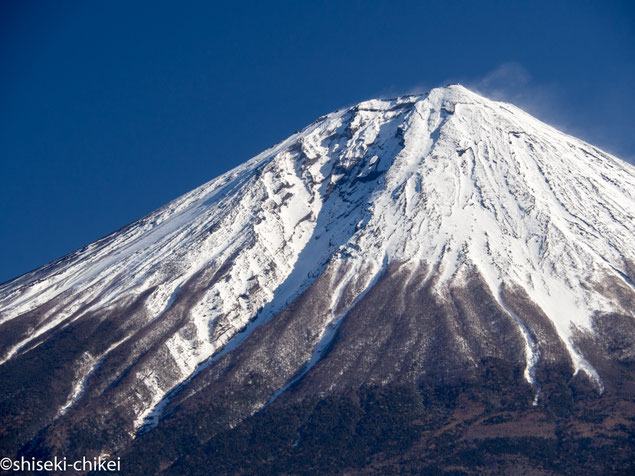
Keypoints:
pixel 411 240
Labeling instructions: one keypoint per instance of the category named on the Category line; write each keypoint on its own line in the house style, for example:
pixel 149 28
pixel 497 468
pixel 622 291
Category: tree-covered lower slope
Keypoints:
pixel 409 429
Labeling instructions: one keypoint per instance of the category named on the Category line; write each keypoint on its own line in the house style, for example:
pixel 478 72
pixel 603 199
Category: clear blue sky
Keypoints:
pixel 110 109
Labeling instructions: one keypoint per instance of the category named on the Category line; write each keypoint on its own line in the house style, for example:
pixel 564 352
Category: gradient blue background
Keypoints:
pixel 108 110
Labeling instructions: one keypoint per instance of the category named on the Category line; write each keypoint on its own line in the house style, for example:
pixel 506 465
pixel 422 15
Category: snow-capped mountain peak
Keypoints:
pixel 449 182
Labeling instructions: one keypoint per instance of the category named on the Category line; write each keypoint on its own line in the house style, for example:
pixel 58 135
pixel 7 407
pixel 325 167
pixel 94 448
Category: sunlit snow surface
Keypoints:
pixel 449 180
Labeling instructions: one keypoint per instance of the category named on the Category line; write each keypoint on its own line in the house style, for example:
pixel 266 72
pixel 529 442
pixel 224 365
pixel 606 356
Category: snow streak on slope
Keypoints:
pixel 450 180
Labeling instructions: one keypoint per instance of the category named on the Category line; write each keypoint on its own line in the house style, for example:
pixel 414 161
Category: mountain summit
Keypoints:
pixel 437 241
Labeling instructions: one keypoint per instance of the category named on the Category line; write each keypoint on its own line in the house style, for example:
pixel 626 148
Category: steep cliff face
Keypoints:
pixel 423 240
